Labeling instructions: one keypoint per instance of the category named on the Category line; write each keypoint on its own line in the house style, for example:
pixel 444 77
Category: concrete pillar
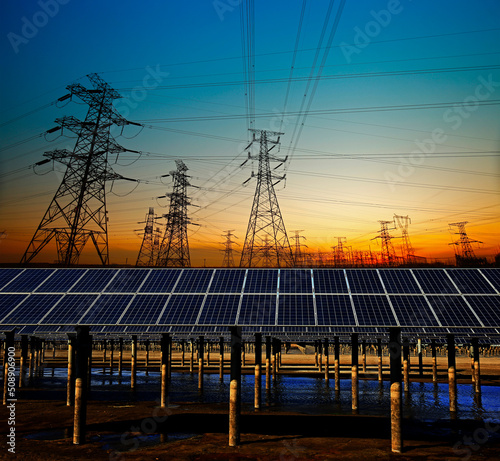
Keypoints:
pixel 420 358
pixel 53 349
pixel 275 363
pixel 337 363
pixel 235 388
pixel 452 374
pixel 165 365
pixel 201 348
pixel 89 361
pixel 258 364
pixel 191 358
pixel 396 400
pixel 406 364
pixel 327 362
pixel 354 372
pixel 133 362
pixel 120 356
pixel 477 371
pixel 320 356
pixel 9 344
pixel 209 346
pixel 243 354
pixel 379 355
pixel 363 355
pixel 434 361
pixel 221 358
pixel 70 394
pixel 31 358
pixel 183 352
pixel 268 362
pixel 316 362
pixel 104 351
pixel 23 360
pixel 111 352
pixel 146 361
pixel 82 346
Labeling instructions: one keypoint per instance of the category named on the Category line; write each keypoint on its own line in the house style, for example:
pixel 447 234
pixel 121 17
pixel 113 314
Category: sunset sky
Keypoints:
pixel 395 111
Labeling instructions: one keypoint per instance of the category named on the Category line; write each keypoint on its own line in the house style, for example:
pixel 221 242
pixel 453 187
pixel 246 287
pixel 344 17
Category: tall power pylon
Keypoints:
pixel 228 260
pixel 388 254
pixel 174 248
pixel 463 247
pixel 339 255
pixel 266 239
pixel 150 245
pixel 77 212
pixel 298 257
pixel 408 252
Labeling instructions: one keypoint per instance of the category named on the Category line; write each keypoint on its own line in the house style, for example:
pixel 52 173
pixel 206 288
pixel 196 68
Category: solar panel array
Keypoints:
pixel 291 301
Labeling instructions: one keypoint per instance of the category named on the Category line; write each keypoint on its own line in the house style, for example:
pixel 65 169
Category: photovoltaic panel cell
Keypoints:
pixel 194 281
pixel 262 281
pixel 373 310
pixel 61 281
pixel 493 275
pixel 453 311
pixel 32 309
pixel 94 281
pixel 295 310
pixel 160 281
pixel 27 281
pixel 6 275
pixel 470 281
pixel 182 309
pixel 144 309
pixel 413 311
pixel 295 281
pixel 228 281
pixel 487 309
pixel 364 281
pixel 8 302
pixel 334 310
pixel 69 310
pixel 219 310
pixel 329 281
pixel 107 309
pixel 258 310
pixel 434 281
pixel 127 281
pixel 399 281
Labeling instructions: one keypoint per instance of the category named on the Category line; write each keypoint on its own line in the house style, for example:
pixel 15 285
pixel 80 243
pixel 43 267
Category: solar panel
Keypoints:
pixel 434 281
pixel 228 281
pixel 144 309
pixel 27 281
pixel 127 281
pixel 487 309
pixel 493 275
pixel 69 310
pixel 261 281
pixel 6 275
pixel 373 310
pixel 61 281
pixel 334 310
pixel 364 281
pixel 107 309
pixel 453 311
pixel 32 309
pixel 295 281
pixel 182 309
pixel 399 281
pixel 470 281
pixel 413 311
pixel 329 281
pixel 258 310
pixel 8 302
pixel 295 310
pixel 160 281
pixel 219 310
pixel 94 281
pixel 193 281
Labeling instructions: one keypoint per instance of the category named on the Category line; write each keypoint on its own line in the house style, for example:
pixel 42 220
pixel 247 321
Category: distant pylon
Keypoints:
pixel 266 223
pixel 174 248
pixel 339 256
pixel 228 260
pixel 77 211
pixel 388 254
pixel 150 245
pixel 298 257
pixel 463 247
pixel 408 252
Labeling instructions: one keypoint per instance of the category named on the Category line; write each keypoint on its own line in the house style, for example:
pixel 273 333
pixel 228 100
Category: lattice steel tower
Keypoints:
pixel 298 256
pixel 77 212
pixel 228 260
pixel 388 254
pixel 408 252
pixel 150 245
pixel 463 247
pixel 266 240
pixel 174 248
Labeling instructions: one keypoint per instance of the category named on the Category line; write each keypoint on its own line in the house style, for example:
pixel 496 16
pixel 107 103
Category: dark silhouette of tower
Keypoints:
pixel 150 245
pixel 266 240
pixel 464 254
pixel 408 252
pixel 78 212
pixel 339 254
pixel 174 248
pixel 228 260
pixel 388 254
pixel 298 257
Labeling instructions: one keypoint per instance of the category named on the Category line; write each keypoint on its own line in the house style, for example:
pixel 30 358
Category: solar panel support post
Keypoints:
pixel 183 352
pixel 337 362
pixel 275 364
pixel 31 358
pixel 320 356
pixel 89 364
pixel 406 364
pixel 23 360
pixel 477 371
pixel 235 387
pixel 396 400
pixel 243 353
pixel 315 353
pixel 434 361
pixel 379 355
pixel 221 358
pixel 70 394
pixel 268 362
pixel 191 357
pixel 146 360
pixel 165 365
pixel 201 349
pixel 104 353
pixel 363 355
pixel 82 348
pixel 258 364
pixel 111 352
pixel 420 358
pixel 208 353
pixel 452 374
pixel 120 356
pixel 327 363
pixel 8 346
pixel 354 372
pixel 54 349
pixel 133 362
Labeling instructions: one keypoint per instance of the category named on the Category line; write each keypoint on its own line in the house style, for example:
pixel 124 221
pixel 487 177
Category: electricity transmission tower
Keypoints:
pixel 174 248
pixel 339 256
pixel 463 249
pixel 297 255
pixel 266 223
pixel 388 254
pixel 408 252
pixel 228 260
pixel 150 241
pixel 78 212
